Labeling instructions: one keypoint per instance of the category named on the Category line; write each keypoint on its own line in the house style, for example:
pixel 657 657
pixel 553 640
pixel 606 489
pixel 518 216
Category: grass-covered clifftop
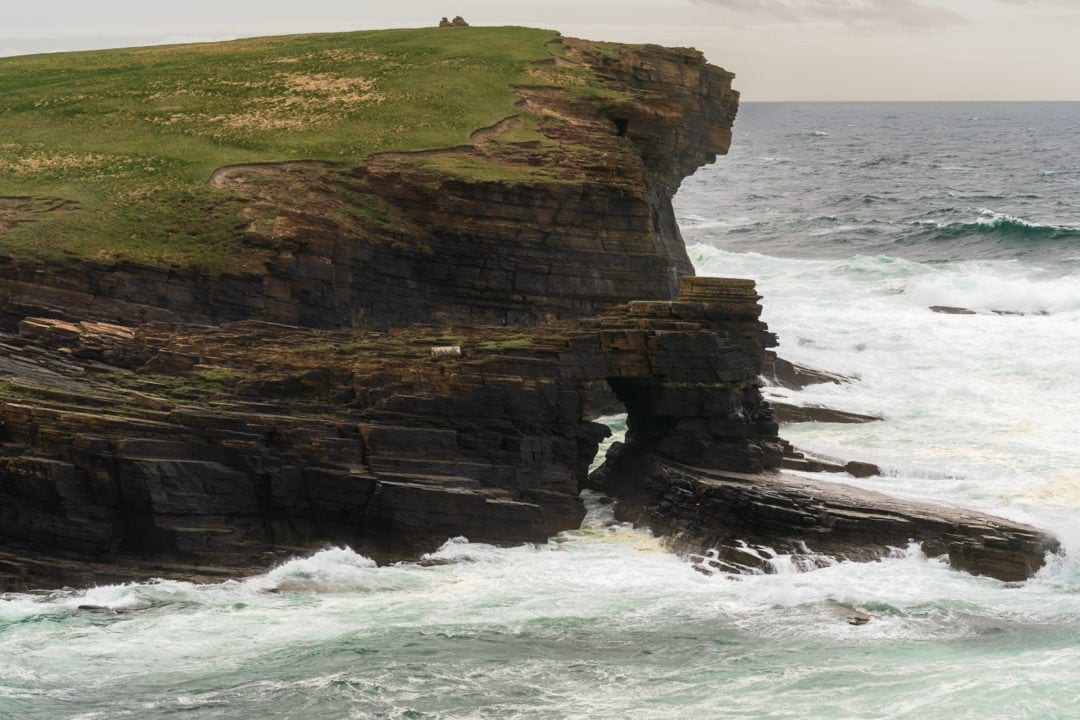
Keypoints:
pixel 105 155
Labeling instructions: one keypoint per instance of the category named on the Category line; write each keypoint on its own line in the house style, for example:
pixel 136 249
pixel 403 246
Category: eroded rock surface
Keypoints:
pixel 230 445
pixel 166 422
pixel 569 221
pixel 735 517
pixel 727 514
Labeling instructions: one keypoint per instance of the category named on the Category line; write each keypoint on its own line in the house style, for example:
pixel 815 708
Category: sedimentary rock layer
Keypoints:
pixel 739 521
pixel 167 422
pixel 228 446
pixel 163 448
pixel 501 231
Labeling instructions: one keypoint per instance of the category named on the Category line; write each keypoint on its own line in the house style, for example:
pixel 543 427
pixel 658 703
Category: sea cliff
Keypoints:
pixel 406 346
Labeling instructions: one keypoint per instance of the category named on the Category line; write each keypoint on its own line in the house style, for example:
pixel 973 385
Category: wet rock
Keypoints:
pixel 787 414
pixel 702 507
pixel 949 310
pixel 102 610
pixel 784 373
pixel 810 465
pixel 738 559
pixel 862 469
pixel 797 460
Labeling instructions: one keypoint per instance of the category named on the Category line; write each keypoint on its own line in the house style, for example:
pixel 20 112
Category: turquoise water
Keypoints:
pixel 930 208
pixel 598 624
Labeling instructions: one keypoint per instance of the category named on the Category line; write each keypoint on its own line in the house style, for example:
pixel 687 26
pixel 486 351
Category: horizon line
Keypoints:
pixel 743 101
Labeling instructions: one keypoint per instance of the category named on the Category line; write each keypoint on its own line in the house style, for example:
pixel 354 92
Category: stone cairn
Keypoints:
pixel 458 21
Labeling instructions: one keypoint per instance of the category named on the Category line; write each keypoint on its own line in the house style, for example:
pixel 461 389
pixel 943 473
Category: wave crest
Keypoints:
pixel 990 222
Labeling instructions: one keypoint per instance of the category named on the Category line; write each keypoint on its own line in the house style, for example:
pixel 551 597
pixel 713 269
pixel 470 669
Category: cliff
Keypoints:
pixel 132 448
pixel 169 419
pixel 558 210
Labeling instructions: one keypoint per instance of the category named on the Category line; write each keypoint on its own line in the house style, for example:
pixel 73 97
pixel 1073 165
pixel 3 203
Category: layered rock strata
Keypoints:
pixel 739 522
pixel 678 476
pixel 574 219
pixel 228 446
pixel 169 422
pixel 165 448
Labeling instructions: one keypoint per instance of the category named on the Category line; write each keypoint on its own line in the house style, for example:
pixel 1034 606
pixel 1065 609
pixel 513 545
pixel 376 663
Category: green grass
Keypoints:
pixel 130 137
pixel 479 169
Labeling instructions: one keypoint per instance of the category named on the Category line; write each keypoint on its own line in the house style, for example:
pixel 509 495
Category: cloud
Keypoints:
pixel 1059 7
pixel 898 13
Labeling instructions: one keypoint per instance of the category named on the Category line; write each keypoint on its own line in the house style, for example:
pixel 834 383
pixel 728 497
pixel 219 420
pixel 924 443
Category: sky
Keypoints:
pixel 779 49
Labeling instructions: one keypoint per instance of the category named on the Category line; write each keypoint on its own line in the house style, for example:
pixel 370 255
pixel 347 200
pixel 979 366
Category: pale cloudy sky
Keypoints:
pixel 780 49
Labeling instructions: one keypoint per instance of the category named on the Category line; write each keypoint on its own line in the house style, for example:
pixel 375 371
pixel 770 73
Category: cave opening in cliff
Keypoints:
pixel 622 125
pixel 629 407
pixel 647 407
pixel 603 407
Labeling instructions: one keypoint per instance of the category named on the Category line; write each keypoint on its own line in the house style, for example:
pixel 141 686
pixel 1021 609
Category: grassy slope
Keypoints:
pixel 132 135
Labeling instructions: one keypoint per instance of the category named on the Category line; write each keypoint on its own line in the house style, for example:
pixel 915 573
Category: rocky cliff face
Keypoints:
pixel 126 445
pixel 195 450
pixel 156 416
pixel 517 228
pixel 159 422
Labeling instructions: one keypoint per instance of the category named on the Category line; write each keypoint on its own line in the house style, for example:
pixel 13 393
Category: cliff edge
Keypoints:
pixel 559 207
pixel 401 337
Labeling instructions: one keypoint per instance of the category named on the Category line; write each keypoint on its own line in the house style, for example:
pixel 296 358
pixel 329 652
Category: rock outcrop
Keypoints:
pixel 740 521
pixel 225 446
pixel 167 422
pixel 161 448
pixel 681 472
pixel 502 231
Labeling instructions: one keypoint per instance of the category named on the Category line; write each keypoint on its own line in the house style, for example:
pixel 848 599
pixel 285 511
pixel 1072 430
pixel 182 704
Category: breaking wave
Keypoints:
pixel 970 288
pixel 998 224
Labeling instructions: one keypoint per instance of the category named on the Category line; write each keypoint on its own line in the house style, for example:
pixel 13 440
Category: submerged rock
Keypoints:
pixel 950 310
pixel 861 469
pixel 784 373
pixel 787 413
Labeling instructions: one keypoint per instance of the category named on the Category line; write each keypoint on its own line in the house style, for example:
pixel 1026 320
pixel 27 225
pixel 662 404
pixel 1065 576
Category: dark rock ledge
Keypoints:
pixel 189 450
pixel 737 520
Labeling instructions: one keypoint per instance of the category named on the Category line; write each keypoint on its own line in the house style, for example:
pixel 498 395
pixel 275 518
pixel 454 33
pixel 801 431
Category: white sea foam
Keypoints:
pixel 988 220
pixel 979 287
pixel 978 408
pixel 999 219
pixel 599 621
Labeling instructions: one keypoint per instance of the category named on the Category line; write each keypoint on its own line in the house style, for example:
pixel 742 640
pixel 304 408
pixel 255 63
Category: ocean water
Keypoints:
pixel 855 220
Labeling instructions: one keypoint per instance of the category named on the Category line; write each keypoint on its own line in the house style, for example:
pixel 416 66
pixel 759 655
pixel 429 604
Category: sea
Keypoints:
pixel 855 220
